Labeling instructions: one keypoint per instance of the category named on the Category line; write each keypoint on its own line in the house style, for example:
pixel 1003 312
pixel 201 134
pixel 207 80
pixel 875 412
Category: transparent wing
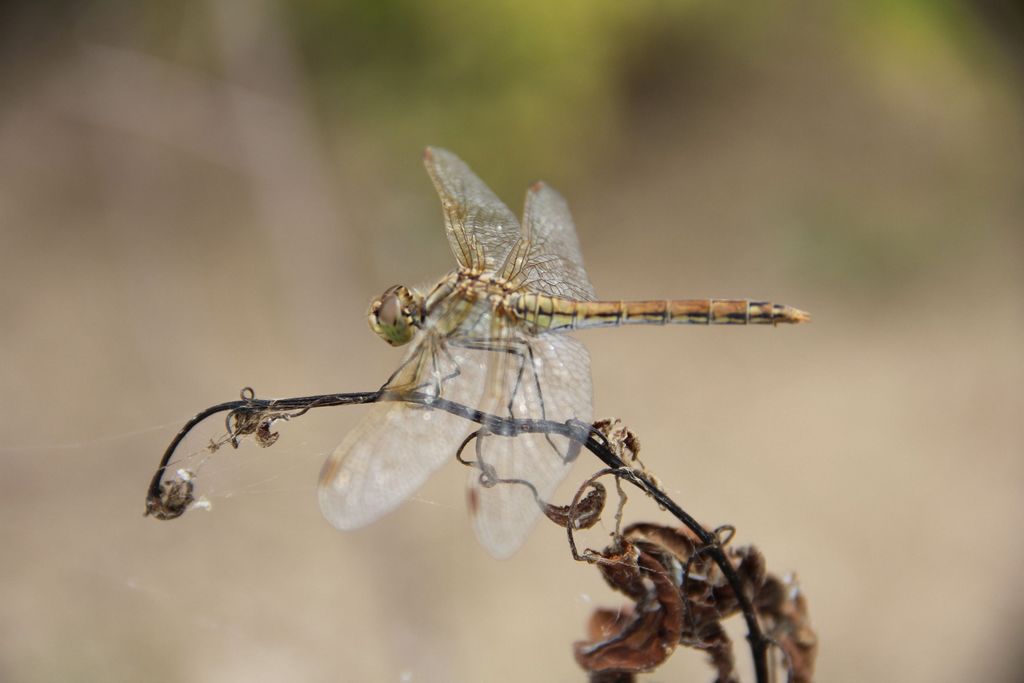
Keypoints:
pixel 384 460
pixel 554 265
pixel 551 380
pixel 473 215
pixel 390 454
pixel 491 366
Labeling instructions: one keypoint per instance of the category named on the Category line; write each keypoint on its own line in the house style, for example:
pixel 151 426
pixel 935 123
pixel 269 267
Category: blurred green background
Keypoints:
pixel 202 195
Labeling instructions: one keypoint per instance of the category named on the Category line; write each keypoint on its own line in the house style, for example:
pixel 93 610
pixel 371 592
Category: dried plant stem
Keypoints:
pixel 252 414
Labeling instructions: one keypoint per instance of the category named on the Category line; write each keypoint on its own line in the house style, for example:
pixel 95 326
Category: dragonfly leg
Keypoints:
pixel 523 351
pixel 455 365
pixel 518 353
pixel 512 347
pixel 400 382
pixel 573 448
pixel 435 374
pixel 392 384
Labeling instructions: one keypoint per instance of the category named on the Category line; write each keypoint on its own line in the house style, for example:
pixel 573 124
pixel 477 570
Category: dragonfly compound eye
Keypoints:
pixel 393 315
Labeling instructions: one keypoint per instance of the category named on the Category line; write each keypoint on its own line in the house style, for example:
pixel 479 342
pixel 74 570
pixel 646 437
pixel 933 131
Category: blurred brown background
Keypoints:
pixel 203 195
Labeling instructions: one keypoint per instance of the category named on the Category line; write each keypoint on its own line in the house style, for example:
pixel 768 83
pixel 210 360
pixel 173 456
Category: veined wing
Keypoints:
pixel 554 265
pixel 475 219
pixel 551 380
pixel 390 454
pixel 384 460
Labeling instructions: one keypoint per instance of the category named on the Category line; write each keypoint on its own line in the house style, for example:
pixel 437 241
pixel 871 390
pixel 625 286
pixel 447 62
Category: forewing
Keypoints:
pixel 385 459
pixel 555 264
pixel 473 214
pixel 555 385
pixel 390 454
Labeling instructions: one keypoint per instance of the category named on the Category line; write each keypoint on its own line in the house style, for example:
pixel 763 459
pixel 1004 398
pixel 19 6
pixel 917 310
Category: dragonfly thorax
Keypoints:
pixel 463 300
pixel 396 315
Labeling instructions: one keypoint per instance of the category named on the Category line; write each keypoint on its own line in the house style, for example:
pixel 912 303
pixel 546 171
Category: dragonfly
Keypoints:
pixel 492 334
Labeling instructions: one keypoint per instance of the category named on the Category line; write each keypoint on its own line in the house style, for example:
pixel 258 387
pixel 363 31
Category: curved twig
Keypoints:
pixel 249 408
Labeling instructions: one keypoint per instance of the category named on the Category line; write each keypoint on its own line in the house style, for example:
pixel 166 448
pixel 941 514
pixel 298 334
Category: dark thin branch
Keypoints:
pixel 249 408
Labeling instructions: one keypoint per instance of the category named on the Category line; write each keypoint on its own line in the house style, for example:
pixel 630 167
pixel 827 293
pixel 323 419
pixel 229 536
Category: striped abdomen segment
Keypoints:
pixel 554 313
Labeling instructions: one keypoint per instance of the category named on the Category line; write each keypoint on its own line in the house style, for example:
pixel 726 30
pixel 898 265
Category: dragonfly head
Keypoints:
pixel 396 315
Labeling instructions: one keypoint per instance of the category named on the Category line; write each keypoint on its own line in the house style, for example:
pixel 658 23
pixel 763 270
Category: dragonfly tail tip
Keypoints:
pixel 791 315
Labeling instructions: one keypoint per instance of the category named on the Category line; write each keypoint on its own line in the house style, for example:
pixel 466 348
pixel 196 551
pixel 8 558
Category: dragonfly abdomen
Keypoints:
pixel 555 313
